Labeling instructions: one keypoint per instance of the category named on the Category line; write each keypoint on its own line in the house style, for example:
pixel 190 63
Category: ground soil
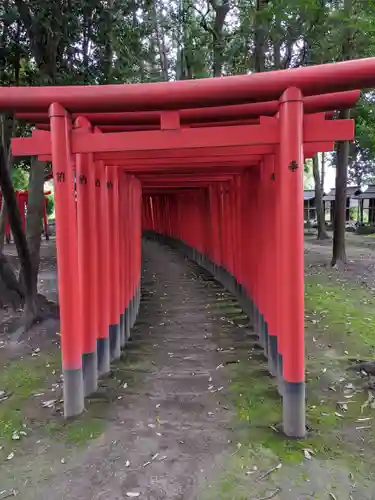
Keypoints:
pixel 170 429
pixel 170 419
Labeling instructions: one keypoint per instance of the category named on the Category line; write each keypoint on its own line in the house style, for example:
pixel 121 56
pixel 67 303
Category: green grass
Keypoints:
pixel 345 310
pixel 258 406
pixel 21 379
pixel 339 314
pixel 76 432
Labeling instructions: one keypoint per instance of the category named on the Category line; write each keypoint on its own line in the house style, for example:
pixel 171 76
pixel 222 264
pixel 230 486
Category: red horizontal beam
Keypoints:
pixel 154 140
pixel 189 154
pixel 184 183
pixel 312 80
pixel 240 136
pixel 137 128
pixel 312 104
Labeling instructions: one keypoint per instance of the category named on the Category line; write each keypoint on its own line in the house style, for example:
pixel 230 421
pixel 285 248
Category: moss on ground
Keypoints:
pixel 76 432
pixel 343 309
pixel 20 379
pixel 258 406
pixel 26 377
pixel 341 315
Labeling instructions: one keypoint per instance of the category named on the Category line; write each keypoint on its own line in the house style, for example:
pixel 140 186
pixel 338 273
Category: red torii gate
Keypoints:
pixel 203 186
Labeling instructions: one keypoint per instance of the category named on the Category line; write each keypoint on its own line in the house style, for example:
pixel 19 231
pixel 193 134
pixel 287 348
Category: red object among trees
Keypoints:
pixel 22 199
pixel 213 167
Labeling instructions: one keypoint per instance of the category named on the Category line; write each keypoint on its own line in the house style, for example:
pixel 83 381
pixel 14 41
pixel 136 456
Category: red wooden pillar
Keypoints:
pixel 255 249
pixel 87 262
pixel 116 263
pixel 67 259
pixel 269 251
pixel 292 266
pixel 112 259
pixel 122 305
pixel 261 256
pixel 138 243
pixel 278 264
pixel 126 257
pixel 247 223
pixel 103 346
pixel 132 253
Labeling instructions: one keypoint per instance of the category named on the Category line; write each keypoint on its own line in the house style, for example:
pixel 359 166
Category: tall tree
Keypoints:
pixel 322 232
pixel 342 157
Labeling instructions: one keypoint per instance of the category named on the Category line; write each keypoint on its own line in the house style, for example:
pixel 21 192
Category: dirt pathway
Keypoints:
pixel 181 419
pixel 168 429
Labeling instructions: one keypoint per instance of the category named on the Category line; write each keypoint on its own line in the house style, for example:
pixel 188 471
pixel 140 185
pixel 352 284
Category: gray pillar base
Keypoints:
pixel 130 312
pixel 264 334
pixel 90 372
pixel 126 324
pixel 258 327
pixel 114 341
pixel 294 411
pixel 122 330
pixel 280 377
pixel 74 402
pixel 272 354
pixel 104 358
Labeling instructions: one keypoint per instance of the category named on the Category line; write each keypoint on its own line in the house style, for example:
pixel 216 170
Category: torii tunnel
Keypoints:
pixel 213 167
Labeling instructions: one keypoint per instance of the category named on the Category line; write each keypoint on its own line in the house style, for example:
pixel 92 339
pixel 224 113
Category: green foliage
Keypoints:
pixel 20 178
pixel 50 205
pixel 91 41
pixel 308 177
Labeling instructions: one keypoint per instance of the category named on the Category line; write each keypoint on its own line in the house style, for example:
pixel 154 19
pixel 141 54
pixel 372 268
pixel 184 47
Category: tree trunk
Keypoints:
pixel 322 233
pixel 160 42
pixel 339 250
pixel 35 207
pixel 3 221
pixel 26 271
pixel 323 172
pixel 221 11
pixel 8 126
pixel 260 38
pixel 108 50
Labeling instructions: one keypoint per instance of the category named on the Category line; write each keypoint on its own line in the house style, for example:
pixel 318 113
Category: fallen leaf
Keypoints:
pixel 49 404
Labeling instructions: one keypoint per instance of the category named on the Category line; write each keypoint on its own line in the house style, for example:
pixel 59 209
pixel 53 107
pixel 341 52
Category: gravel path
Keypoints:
pixel 170 427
